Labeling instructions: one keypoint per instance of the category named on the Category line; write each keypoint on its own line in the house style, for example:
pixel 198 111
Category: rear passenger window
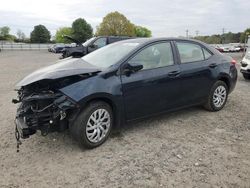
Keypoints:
pixel 206 54
pixel 190 52
pixel 113 39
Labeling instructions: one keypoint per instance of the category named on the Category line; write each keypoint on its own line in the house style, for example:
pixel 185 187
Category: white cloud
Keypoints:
pixel 164 18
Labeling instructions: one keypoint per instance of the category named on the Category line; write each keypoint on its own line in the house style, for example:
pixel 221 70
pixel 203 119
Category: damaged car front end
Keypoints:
pixel 43 110
pixel 41 105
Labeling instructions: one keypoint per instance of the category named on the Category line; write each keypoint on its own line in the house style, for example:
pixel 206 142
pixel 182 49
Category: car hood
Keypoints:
pixel 64 68
pixel 72 39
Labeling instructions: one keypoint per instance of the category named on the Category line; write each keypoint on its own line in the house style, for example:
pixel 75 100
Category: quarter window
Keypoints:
pixel 190 52
pixel 206 54
pixel 155 56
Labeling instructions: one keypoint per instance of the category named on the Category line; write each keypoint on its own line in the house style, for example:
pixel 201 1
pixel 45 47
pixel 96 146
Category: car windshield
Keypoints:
pixel 60 45
pixel 86 43
pixel 110 55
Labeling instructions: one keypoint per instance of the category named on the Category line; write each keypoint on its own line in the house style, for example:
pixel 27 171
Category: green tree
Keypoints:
pixel 142 31
pixel 61 32
pixel 244 35
pixel 81 30
pixel 4 31
pixel 115 24
pixel 40 34
pixel 5 34
pixel 214 39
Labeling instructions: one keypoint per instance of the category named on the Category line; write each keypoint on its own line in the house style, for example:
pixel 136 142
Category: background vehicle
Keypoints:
pixel 225 48
pixel 234 47
pixel 50 49
pixel 59 48
pixel 217 47
pixel 245 63
pixel 122 82
pixel 228 47
pixel 245 66
pixel 90 45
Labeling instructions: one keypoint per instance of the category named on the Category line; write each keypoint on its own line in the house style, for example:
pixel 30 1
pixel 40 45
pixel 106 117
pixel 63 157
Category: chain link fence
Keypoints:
pixel 23 46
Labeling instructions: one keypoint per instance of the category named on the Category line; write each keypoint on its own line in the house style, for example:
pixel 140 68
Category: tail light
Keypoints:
pixel 233 62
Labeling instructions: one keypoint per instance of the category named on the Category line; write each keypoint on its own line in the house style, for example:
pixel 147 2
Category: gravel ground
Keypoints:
pixel 188 148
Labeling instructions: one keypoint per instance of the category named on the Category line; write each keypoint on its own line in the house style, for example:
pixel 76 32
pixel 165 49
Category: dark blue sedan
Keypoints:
pixel 122 82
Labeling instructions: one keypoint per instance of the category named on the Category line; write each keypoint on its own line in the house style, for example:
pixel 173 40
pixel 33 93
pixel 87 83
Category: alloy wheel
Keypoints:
pixel 98 125
pixel 219 97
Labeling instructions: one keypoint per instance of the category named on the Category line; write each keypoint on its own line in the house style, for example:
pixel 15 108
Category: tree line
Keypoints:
pixel 113 24
pixel 225 38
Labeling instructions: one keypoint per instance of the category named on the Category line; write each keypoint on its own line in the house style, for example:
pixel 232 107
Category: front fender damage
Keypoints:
pixel 43 107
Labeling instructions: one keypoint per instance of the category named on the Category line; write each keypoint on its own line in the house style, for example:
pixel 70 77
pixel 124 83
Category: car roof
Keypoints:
pixel 155 39
pixel 145 41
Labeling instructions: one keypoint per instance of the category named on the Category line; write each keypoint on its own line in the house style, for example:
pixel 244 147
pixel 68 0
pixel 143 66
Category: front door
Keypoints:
pixel 156 87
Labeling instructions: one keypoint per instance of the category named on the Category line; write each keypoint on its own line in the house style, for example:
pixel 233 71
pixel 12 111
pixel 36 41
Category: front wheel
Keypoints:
pixel 93 125
pixel 217 97
pixel 246 76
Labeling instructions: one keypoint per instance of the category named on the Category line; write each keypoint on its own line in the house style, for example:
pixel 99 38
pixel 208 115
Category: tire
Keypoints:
pixel 217 97
pixel 84 127
pixel 246 76
pixel 76 55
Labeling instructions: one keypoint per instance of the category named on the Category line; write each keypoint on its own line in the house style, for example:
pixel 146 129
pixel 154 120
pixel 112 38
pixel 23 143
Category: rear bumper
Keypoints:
pixel 232 78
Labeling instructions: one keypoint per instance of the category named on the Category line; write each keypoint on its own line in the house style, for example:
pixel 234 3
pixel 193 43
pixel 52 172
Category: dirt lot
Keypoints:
pixel 189 148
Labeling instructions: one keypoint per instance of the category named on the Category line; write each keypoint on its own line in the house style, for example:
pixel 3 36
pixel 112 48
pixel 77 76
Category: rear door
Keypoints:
pixel 156 87
pixel 196 71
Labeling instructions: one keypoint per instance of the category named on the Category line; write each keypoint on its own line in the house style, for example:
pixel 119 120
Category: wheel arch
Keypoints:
pixel 225 79
pixel 109 99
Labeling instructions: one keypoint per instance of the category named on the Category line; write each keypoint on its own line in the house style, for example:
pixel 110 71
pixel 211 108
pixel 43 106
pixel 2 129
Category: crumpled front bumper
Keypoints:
pixel 22 129
pixel 53 117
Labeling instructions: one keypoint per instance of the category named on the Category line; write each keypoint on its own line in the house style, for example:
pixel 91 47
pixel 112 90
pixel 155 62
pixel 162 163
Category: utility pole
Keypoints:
pixel 197 33
pixel 223 32
pixel 187 33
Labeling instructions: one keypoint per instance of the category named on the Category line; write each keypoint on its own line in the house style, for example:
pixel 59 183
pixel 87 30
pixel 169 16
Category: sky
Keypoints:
pixel 162 17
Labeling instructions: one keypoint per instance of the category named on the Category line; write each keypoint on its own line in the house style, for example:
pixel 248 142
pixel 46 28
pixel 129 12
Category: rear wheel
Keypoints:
pixel 93 125
pixel 217 97
pixel 246 76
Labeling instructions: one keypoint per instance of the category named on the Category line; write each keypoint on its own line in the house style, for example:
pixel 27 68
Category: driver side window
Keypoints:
pixel 154 56
pixel 101 42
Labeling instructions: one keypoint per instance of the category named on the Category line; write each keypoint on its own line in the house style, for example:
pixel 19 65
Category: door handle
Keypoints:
pixel 213 65
pixel 174 73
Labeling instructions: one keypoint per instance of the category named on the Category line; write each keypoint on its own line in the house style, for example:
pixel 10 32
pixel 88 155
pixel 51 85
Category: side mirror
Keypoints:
pixel 132 68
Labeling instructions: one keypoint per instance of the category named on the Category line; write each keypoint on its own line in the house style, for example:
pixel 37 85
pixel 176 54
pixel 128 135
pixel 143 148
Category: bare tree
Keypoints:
pixel 20 34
